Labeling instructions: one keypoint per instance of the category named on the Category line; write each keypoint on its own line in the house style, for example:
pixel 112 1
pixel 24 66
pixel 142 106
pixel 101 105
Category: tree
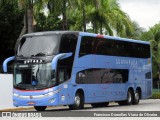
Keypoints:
pixel 10 27
pixel 59 8
pixel 103 15
pixel 30 7
pixel 27 6
pixel 137 31
pixel 153 35
pixel 48 23
pixel 78 17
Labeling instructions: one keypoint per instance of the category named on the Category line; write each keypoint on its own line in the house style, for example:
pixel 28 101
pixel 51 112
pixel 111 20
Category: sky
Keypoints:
pixel 145 12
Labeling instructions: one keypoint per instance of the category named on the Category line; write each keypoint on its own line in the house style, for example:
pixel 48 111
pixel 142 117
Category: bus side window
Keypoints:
pixel 86 46
pixel 63 75
pixel 68 43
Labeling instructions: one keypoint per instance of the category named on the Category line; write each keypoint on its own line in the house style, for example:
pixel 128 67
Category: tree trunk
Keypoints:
pixel 101 28
pixel 84 17
pixel 24 29
pixel 95 21
pixel 30 19
pixel 64 23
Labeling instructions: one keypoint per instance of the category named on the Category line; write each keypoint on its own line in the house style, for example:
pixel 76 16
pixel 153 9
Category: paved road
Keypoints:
pixel 144 106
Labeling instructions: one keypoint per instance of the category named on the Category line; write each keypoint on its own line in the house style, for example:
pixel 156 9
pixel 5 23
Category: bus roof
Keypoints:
pixel 49 32
pixel 113 38
pixel 86 34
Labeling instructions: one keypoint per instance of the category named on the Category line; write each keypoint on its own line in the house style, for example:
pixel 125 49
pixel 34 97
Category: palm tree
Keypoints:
pixel 77 14
pixel 108 15
pixel 103 15
pixel 27 6
pixel 30 7
pixel 137 30
pixel 59 8
pixel 64 8
pixel 153 35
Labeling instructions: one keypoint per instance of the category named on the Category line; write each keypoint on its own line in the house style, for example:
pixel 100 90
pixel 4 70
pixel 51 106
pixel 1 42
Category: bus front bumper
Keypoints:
pixel 35 100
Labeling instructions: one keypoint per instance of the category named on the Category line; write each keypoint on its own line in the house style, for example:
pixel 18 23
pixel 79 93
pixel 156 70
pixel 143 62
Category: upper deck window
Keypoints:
pixel 113 47
pixel 38 46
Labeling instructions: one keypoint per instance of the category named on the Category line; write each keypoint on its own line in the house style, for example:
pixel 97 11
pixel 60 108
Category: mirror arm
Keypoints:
pixel 6 62
pixel 58 57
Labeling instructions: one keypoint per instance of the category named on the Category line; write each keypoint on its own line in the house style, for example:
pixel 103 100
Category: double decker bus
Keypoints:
pixel 74 68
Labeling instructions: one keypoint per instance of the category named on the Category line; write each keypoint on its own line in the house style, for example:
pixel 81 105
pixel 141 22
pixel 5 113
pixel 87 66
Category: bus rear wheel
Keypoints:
pixel 78 102
pixel 40 108
pixel 136 97
pixel 95 105
pixel 129 100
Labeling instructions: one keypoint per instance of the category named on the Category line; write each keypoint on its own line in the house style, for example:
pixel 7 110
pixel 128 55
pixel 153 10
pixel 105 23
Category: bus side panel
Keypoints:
pixel 147 79
pixel 105 92
pixel 113 75
pixel 100 93
pixel 65 95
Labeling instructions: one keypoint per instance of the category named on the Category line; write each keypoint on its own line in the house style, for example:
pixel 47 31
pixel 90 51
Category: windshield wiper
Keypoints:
pixel 39 54
pixel 20 55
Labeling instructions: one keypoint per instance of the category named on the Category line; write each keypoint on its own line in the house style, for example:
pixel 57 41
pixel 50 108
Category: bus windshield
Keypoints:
pixel 38 46
pixel 37 76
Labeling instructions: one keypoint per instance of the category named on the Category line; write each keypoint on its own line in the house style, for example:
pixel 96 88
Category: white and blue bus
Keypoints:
pixel 74 68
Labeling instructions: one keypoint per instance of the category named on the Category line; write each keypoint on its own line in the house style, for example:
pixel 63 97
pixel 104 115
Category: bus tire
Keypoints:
pixel 129 100
pixel 136 97
pixel 78 102
pixel 40 108
pixel 96 105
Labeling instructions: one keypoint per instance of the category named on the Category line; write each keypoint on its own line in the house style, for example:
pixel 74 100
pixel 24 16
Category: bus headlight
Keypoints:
pixel 15 95
pixel 51 100
pixel 51 93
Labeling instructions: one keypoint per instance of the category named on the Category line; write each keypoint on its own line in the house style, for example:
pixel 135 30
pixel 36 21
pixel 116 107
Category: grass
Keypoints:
pixel 155 94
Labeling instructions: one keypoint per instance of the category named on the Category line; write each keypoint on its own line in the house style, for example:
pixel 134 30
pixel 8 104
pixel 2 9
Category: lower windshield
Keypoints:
pixel 38 46
pixel 37 76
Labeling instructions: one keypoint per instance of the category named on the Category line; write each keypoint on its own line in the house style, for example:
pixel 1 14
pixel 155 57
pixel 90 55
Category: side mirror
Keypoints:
pixel 57 57
pixel 6 62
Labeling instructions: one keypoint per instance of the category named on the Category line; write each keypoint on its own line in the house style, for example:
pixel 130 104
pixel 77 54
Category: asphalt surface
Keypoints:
pixel 63 112
pixel 144 105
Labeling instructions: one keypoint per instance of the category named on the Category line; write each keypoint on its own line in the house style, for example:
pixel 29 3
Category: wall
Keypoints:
pixel 6 86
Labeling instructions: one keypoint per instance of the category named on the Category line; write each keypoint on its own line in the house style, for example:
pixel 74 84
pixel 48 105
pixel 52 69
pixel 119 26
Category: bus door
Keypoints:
pixel 65 88
pixel 64 69
pixel 84 65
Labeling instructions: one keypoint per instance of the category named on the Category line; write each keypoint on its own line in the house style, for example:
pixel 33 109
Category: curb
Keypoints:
pixel 16 109
pixel 22 109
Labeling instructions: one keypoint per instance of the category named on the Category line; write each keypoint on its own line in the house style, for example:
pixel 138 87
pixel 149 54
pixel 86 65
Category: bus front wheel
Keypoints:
pixel 78 102
pixel 40 108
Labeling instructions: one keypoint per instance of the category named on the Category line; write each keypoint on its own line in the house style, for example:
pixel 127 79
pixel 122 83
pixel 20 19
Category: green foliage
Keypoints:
pixel 153 35
pixel 10 26
pixel 47 23
pixel 103 16
pixel 155 96
pixel 96 16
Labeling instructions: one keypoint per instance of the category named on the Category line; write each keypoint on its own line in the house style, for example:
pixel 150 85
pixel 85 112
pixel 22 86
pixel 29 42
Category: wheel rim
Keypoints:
pixel 137 96
pixel 77 100
pixel 129 97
